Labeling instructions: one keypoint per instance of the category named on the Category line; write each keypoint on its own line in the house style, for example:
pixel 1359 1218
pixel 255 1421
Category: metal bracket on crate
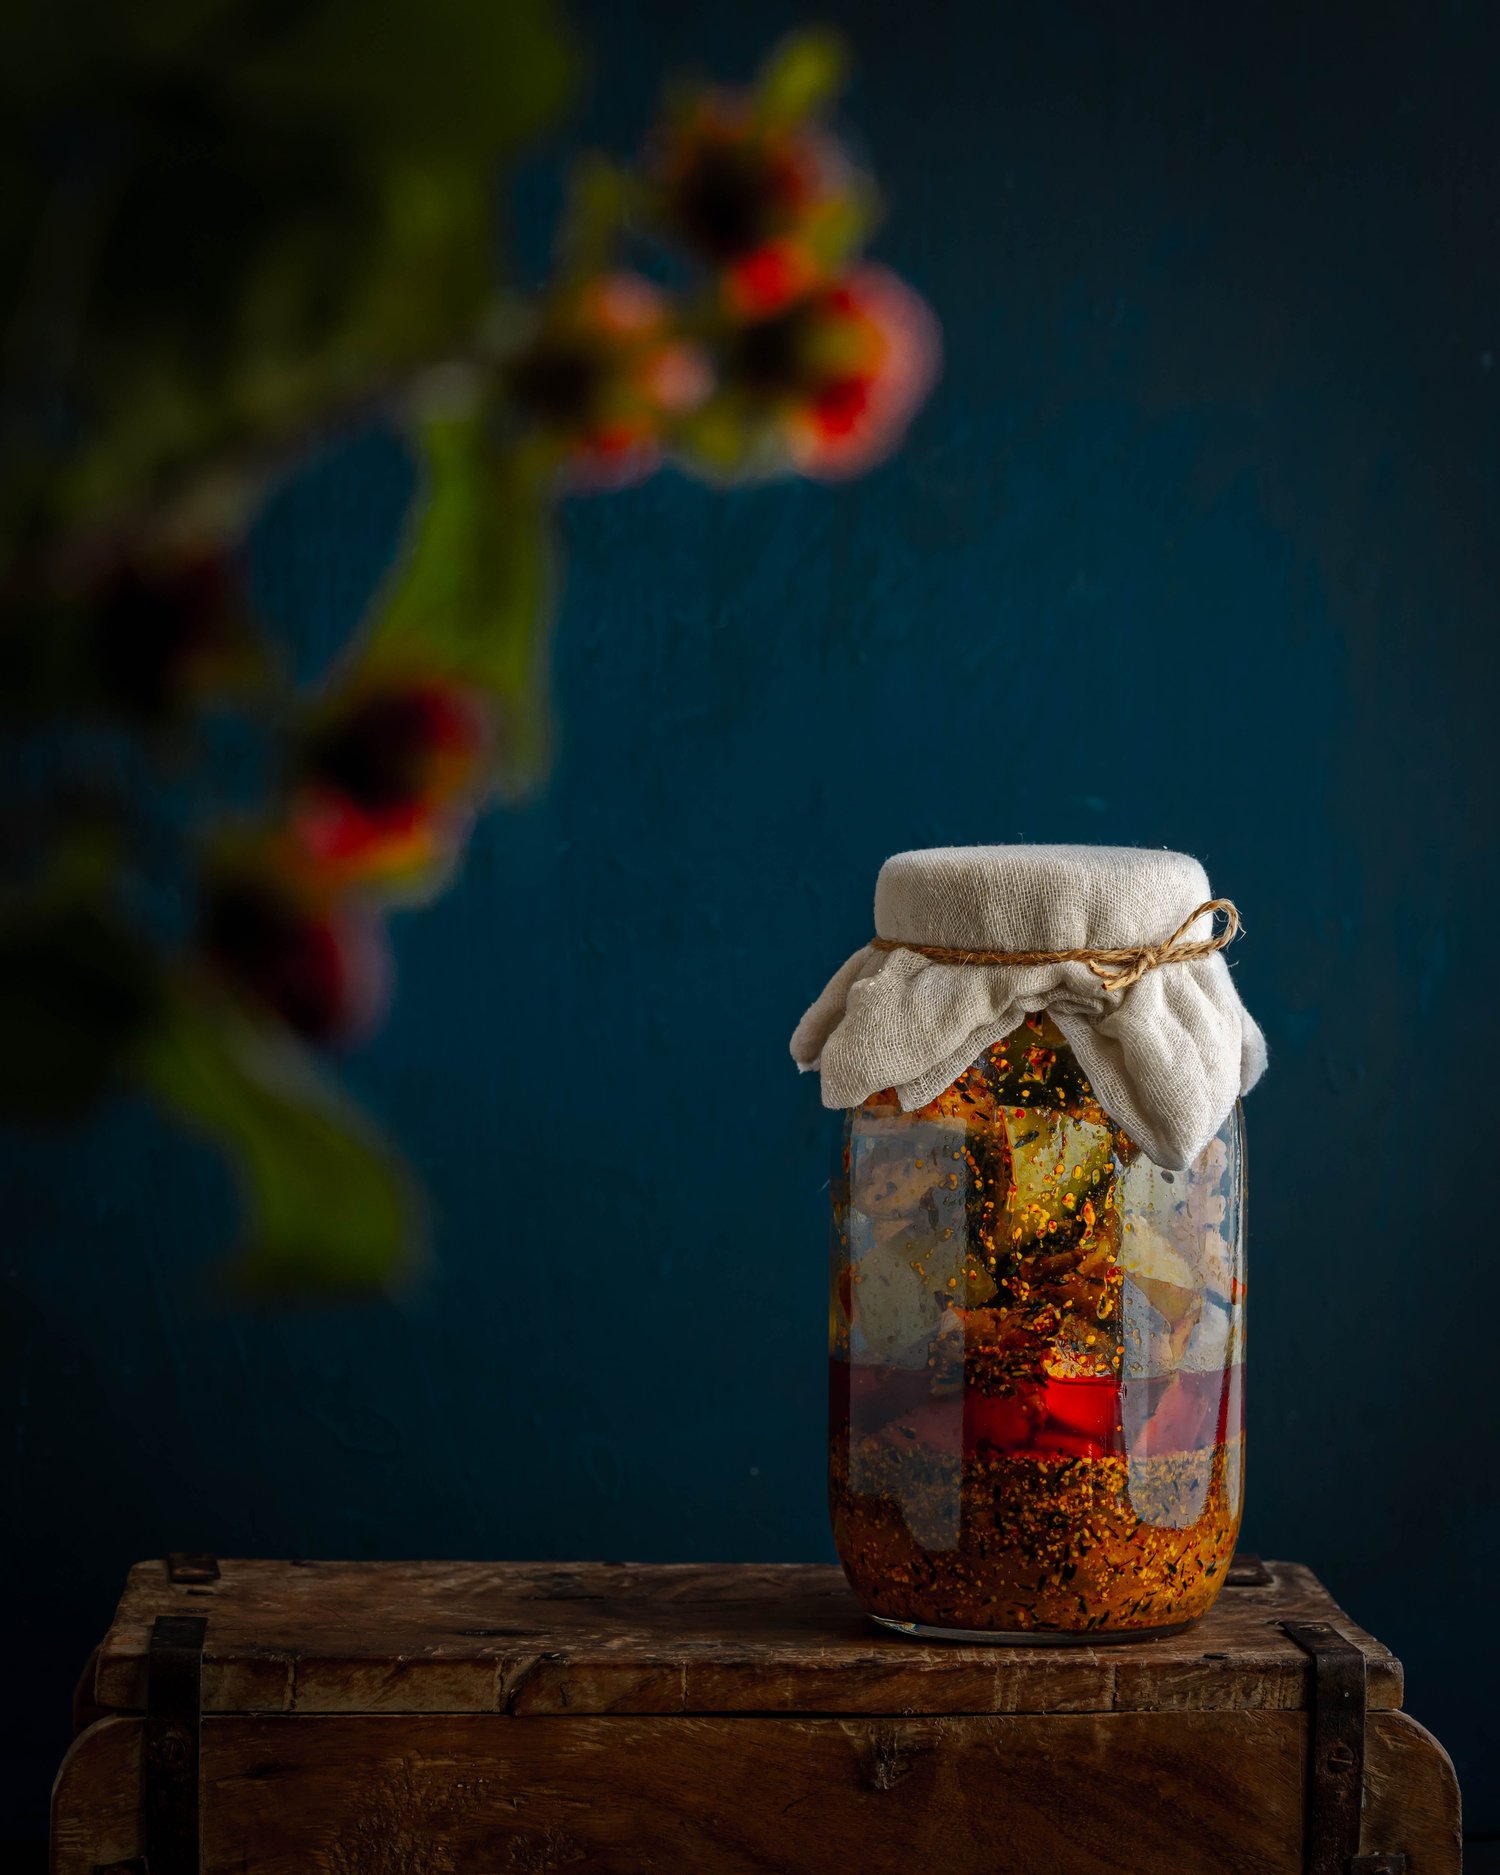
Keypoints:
pixel 1336 1755
pixel 189 1566
pixel 172 1769
pixel 1247 1572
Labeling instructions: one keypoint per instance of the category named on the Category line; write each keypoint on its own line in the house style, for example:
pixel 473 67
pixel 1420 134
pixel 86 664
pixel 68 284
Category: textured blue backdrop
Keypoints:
pixel 1196 546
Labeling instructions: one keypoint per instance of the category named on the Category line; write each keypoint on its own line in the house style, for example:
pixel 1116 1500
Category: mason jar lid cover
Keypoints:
pixel 1123 947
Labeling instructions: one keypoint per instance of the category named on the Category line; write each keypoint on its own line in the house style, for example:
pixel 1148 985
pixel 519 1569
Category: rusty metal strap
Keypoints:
pixel 1336 1749
pixel 174 1728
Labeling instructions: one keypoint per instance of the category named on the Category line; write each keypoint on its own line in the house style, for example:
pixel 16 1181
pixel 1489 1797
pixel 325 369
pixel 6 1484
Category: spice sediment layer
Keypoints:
pixel 1046 1544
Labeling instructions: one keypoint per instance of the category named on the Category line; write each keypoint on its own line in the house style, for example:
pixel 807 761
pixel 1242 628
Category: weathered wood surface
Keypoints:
pixel 544 1639
pixel 1164 1793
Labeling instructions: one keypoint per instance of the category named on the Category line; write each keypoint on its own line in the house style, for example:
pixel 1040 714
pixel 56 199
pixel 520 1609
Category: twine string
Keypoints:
pixel 1115 969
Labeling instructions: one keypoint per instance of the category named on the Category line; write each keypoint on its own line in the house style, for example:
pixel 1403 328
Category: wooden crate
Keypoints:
pixel 267 1718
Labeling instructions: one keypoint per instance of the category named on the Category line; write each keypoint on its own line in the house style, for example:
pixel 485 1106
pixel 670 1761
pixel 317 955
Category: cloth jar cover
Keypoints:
pixel 1166 1056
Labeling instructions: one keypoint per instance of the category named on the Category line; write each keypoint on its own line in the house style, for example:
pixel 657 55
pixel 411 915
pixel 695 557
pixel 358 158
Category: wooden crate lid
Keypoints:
pixel 546 1639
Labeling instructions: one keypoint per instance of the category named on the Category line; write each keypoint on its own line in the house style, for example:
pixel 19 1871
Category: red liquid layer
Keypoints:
pixel 1087 1417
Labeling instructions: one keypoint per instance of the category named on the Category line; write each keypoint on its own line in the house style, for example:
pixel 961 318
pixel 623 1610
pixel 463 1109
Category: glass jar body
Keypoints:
pixel 1037 1347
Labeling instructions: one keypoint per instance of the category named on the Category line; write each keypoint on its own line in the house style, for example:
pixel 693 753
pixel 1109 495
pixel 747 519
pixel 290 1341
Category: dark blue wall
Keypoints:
pixel 1196 546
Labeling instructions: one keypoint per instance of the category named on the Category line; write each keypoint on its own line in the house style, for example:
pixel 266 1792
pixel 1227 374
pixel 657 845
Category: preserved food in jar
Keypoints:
pixel 1037 1346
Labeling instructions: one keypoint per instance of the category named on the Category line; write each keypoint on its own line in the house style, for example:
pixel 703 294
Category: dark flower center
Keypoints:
pixel 378 754
pixel 560 381
pixel 278 954
pixel 767 356
pixel 150 629
pixel 728 200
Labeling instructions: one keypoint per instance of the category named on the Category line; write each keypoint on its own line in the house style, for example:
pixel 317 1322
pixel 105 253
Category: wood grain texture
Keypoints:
pixel 1167 1793
pixel 96 1797
pixel 545 1639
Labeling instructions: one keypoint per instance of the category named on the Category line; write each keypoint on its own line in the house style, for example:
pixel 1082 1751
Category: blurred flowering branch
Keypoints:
pixel 233 225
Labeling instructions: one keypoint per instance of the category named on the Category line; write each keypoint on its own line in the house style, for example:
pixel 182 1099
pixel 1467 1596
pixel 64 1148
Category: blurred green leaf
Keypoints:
pixel 78 987
pixel 844 227
pixel 330 1206
pixel 472 597
pixel 221 218
pixel 600 198
pixel 732 438
pixel 802 77
pixel 448 75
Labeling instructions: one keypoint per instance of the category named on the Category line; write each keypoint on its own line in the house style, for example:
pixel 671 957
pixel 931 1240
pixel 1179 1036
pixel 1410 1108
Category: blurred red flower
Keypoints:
pixel 316 962
pixel 755 200
pixel 770 278
pixel 390 773
pixel 605 373
pixel 840 372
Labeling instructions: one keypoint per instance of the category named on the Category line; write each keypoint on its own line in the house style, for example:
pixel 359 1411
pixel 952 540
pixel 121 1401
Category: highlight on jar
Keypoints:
pixel 1036 1339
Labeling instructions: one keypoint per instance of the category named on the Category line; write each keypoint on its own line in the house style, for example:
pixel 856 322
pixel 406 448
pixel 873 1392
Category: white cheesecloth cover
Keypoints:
pixel 1166 1056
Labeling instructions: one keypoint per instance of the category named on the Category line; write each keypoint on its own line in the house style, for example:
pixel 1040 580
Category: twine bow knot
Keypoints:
pixel 1115 969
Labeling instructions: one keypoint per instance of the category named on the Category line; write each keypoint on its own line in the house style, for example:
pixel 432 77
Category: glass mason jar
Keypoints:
pixel 1037 1346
